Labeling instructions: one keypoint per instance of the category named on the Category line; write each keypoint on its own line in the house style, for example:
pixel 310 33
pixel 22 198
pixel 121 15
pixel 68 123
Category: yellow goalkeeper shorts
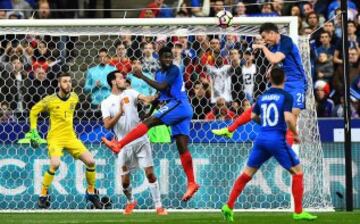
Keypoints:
pixel 73 146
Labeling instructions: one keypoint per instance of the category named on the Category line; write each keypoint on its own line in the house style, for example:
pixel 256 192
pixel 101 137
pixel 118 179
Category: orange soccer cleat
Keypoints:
pixel 113 145
pixel 129 208
pixel 191 190
pixel 161 211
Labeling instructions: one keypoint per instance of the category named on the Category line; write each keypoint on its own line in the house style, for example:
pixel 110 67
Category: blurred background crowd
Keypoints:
pixel 223 75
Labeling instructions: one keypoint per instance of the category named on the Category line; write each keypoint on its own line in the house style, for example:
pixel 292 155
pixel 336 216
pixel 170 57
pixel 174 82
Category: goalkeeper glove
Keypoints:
pixel 223 132
pixel 33 138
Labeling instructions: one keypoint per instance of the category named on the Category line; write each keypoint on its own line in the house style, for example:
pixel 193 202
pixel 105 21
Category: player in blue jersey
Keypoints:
pixel 273 111
pixel 175 112
pixel 281 51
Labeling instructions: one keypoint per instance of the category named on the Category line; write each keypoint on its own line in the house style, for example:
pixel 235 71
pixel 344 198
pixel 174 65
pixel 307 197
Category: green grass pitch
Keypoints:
pixel 173 218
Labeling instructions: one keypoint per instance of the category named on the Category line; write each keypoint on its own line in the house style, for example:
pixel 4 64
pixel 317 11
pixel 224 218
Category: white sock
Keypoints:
pixel 155 193
pixel 128 193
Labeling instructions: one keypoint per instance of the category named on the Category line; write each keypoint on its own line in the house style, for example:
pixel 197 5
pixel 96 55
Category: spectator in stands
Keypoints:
pixel 338 80
pixel 3 14
pixel 23 7
pixel 240 9
pixel 121 61
pixel 148 13
pixel 42 54
pixel 160 10
pixel 339 108
pixel 12 89
pixel 329 27
pixel 307 8
pixel 353 42
pixel 220 80
pixel 43 11
pixel 177 53
pixel 326 46
pixel 267 9
pixel 230 41
pixel 295 11
pixel 237 82
pixel 200 101
pixel 14 48
pixel 15 15
pixel 201 44
pixel 149 63
pixel 324 105
pixel 96 83
pixel 140 85
pixel 6 114
pixel 324 68
pixel 40 84
pixel 216 7
pixel 278 6
pixel 200 8
pixel 312 21
pixel 335 4
pixel 183 9
pixel 212 53
pixel 220 111
pixel 249 71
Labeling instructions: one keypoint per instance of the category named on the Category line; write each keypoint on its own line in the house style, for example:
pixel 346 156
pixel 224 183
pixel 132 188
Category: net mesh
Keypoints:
pixel 31 57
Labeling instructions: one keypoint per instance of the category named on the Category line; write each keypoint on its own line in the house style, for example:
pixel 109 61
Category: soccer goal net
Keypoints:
pixel 222 75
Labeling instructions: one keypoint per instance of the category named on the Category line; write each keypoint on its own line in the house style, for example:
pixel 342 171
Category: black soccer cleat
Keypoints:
pixel 44 202
pixel 94 199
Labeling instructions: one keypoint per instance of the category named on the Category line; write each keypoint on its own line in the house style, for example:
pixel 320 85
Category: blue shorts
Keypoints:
pixel 177 115
pixel 297 90
pixel 265 149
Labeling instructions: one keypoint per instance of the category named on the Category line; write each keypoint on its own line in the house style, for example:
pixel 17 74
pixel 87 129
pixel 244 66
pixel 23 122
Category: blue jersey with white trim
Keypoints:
pixel 271 107
pixel 292 63
pixel 176 87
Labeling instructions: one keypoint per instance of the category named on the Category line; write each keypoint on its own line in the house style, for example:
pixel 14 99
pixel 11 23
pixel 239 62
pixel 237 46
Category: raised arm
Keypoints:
pixel 137 71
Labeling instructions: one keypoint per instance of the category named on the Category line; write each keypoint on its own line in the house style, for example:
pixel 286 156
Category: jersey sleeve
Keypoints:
pixel 172 74
pixel 286 45
pixel 256 108
pixel 288 102
pixel 105 112
pixel 39 107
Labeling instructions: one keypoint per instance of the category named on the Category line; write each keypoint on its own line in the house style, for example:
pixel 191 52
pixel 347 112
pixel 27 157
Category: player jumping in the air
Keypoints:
pixel 61 107
pixel 273 111
pixel 282 52
pixel 119 112
pixel 176 112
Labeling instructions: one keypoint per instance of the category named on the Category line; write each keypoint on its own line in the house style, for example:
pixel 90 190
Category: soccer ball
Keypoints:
pixel 224 18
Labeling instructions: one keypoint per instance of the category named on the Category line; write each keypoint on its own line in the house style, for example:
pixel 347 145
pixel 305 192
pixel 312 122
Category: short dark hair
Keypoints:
pixel 267 27
pixel 119 42
pixel 63 74
pixel 164 50
pixel 111 76
pixel 277 76
pixel 103 50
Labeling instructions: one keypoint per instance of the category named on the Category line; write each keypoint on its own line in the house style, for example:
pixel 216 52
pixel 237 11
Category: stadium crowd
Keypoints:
pixel 222 74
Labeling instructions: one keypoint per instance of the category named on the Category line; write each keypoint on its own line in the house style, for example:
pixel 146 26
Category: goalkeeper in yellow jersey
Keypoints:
pixel 61 136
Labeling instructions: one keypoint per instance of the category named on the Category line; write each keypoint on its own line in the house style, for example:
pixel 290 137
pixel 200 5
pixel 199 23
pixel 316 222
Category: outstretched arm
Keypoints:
pixel 137 71
pixel 273 58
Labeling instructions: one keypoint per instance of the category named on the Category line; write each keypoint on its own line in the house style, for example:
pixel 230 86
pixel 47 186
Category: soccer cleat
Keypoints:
pixel 304 216
pixel 129 208
pixel 44 201
pixel 161 211
pixel 94 199
pixel 223 132
pixel 227 213
pixel 113 145
pixel 191 190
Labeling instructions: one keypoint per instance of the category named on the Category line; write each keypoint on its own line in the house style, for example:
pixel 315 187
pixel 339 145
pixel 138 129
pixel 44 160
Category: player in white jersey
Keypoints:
pixel 119 112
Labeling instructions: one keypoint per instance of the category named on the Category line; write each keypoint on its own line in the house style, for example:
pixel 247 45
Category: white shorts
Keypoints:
pixel 136 155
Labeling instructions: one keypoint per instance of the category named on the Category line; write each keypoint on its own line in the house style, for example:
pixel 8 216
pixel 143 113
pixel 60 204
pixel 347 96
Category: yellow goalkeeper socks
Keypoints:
pixel 48 178
pixel 90 179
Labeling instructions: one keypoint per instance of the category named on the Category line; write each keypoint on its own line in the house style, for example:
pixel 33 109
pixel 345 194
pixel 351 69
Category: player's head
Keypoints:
pixel 64 83
pixel 166 57
pixel 116 79
pixel 277 76
pixel 269 33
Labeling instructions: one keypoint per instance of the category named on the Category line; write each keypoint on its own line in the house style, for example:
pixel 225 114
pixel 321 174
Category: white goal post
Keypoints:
pixel 217 161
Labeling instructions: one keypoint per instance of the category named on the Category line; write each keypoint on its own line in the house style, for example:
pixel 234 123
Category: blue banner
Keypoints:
pixel 217 167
